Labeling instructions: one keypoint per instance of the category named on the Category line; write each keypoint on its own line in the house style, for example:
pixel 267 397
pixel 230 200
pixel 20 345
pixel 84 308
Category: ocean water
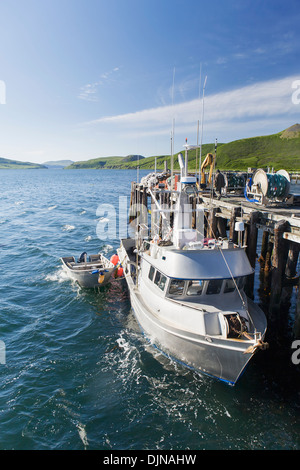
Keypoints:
pixel 78 374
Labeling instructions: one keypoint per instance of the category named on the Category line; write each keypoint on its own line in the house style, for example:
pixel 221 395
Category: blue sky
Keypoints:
pixel 91 78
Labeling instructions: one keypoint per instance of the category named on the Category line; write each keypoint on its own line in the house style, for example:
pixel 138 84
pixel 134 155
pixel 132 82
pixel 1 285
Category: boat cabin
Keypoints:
pixel 192 289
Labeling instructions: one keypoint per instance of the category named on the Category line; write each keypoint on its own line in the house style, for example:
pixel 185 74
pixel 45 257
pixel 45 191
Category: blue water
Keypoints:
pixel 78 374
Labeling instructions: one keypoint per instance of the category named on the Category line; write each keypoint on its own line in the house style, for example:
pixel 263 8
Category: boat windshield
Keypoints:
pixel 214 286
pixel 176 287
pixel 194 287
pixel 180 287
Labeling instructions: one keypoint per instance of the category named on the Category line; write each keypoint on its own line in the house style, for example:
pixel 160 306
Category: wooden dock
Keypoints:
pixel 271 238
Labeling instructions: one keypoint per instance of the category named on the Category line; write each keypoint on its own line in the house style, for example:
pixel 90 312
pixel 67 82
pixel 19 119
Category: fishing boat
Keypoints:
pixel 93 271
pixel 186 291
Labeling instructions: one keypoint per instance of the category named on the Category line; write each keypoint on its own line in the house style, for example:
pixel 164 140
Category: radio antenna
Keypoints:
pixel 196 166
pixel 172 133
pixel 202 119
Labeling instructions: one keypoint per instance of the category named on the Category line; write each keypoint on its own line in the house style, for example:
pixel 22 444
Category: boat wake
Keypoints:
pixel 59 276
pixel 67 228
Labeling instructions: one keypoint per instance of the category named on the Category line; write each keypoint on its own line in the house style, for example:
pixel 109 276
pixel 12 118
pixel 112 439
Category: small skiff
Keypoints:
pixel 92 271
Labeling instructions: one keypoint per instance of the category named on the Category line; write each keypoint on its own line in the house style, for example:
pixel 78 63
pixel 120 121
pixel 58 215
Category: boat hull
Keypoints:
pixel 89 280
pixel 89 275
pixel 216 355
pixel 221 359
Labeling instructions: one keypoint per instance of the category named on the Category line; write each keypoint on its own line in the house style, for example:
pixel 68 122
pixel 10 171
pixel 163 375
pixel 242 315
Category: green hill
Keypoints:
pixel 107 163
pixel 6 164
pixel 280 151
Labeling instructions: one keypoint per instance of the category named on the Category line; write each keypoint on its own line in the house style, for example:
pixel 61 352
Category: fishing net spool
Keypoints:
pixel 270 186
pixel 234 182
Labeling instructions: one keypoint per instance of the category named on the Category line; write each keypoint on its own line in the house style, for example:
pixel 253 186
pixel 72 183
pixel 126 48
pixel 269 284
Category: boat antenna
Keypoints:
pixel 213 170
pixel 172 134
pixel 196 166
pixel 202 119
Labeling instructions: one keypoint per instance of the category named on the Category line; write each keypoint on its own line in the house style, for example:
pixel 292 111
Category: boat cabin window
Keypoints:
pixel 146 245
pixel 229 286
pixel 214 286
pixel 194 288
pixel 151 273
pixel 198 287
pixel 176 287
pixel 160 280
pixel 241 281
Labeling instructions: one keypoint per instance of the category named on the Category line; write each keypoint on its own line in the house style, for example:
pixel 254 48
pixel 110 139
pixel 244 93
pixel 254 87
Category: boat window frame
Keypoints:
pixel 202 286
pixel 163 279
pixel 159 281
pixel 239 281
pixel 151 276
pixel 235 283
pixel 177 294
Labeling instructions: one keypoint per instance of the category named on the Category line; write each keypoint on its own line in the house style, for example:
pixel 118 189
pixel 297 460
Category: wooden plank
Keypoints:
pixel 293 237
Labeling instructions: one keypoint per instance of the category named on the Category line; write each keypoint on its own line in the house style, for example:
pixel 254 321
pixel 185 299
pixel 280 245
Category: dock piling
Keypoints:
pixel 279 259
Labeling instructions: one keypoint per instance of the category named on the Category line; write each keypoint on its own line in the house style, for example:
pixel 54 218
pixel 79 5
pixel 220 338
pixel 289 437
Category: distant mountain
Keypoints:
pixel 107 163
pixel 58 164
pixel 6 164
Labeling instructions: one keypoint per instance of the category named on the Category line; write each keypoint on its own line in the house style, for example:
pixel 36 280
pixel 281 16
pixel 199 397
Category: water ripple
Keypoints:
pixel 78 372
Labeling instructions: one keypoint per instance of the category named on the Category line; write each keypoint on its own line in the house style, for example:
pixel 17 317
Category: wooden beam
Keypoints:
pixel 251 232
pixel 279 259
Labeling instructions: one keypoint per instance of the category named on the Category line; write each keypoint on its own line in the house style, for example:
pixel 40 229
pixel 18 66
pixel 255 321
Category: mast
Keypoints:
pixel 196 166
pixel 202 118
pixel 172 135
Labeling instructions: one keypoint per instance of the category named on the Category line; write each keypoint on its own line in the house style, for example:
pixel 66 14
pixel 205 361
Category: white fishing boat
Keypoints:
pixel 187 292
pixel 93 271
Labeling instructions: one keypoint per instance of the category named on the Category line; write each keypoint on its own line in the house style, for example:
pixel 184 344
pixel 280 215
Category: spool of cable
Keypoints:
pixel 272 185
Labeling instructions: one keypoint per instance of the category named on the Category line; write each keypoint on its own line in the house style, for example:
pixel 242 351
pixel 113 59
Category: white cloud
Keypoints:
pixel 89 92
pixel 221 60
pixel 257 102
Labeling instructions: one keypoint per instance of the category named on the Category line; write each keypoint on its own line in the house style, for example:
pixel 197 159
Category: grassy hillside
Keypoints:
pixel 131 161
pixel 6 164
pixel 149 163
pixel 107 163
pixel 279 151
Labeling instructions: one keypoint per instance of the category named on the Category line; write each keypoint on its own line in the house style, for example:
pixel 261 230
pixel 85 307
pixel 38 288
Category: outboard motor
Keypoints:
pixel 82 257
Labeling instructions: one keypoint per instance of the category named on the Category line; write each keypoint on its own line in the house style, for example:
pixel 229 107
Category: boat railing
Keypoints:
pixel 81 266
